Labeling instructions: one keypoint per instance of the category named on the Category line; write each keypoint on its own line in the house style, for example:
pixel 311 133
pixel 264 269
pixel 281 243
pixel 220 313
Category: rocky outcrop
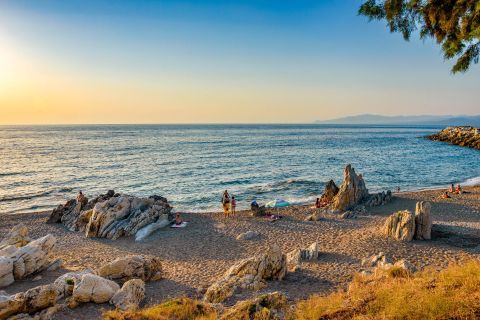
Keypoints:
pixel 295 257
pixel 330 191
pixel 113 215
pixel 462 136
pixel 380 264
pixel 17 237
pixel 267 306
pixel 141 267
pixel 130 295
pixel 352 191
pixel 423 221
pixel 18 263
pixel 250 274
pixel 93 288
pixel 400 226
pixel 405 226
pixel 378 199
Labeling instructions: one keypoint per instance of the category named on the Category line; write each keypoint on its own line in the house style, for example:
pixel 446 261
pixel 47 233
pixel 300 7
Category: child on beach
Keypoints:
pixel 233 205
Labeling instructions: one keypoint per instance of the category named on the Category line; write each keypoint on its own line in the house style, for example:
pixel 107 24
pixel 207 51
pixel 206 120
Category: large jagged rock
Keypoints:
pixel 462 136
pixel 27 260
pixel 29 302
pixel 330 191
pixel 17 236
pixel 123 269
pixel 400 226
pixel 351 192
pixel 250 274
pixel 130 295
pixel 423 221
pixel 125 216
pixel 93 288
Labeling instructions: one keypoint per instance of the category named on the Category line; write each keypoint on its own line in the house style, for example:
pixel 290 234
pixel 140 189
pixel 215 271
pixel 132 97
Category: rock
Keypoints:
pixel 311 253
pixel 93 288
pixel 66 282
pixel 330 191
pixel 6 272
pixel 125 216
pixel 348 215
pixel 423 221
pixel 37 278
pixel 126 268
pixel 17 237
pixel 378 199
pixel 249 235
pixel 28 302
pixel 55 265
pixel 400 226
pixel 152 227
pixel 267 306
pixel 404 264
pixel 351 192
pixel 61 210
pixel 130 295
pixel 376 260
pixel 463 136
pixel 250 274
pixel 294 259
pixel 313 217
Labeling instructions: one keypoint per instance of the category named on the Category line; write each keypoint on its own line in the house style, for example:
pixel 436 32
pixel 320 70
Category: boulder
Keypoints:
pixel 400 226
pixel 25 261
pixel 250 273
pixel 249 235
pixel 144 232
pixel 123 269
pixel 17 237
pixel 294 258
pixel 267 306
pixel 404 264
pixel 125 216
pixel 423 221
pixel 130 295
pixel 351 192
pixel 310 253
pixel 93 288
pixel 330 191
pixel 374 261
pixel 6 272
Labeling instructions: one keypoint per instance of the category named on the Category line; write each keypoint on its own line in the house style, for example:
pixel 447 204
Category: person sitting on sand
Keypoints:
pixel 451 190
pixel 317 203
pixel 226 203
pixel 233 205
pixel 445 195
pixel 458 190
pixel 178 219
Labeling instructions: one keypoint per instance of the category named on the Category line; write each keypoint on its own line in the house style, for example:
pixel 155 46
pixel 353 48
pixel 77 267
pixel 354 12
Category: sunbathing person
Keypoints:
pixel 458 190
pixel 445 195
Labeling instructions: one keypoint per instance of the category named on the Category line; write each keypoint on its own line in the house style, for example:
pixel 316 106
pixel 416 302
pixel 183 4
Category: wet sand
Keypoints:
pixel 195 256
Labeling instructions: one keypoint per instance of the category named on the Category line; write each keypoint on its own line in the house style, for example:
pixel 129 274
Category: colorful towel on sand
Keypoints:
pixel 181 225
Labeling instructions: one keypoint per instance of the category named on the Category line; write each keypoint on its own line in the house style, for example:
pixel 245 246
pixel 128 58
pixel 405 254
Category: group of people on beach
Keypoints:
pixel 452 190
pixel 229 204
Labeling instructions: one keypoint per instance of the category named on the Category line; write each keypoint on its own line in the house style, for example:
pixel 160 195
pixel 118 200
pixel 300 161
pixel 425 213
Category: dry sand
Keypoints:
pixel 195 256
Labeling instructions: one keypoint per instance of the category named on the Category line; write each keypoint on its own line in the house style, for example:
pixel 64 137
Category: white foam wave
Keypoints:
pixel 472 182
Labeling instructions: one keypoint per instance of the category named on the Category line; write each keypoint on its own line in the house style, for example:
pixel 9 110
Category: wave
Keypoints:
pixel 9 198
pixel 472 182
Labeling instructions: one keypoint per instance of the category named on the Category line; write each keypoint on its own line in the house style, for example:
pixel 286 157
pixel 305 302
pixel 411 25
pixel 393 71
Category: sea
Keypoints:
pixel 191 165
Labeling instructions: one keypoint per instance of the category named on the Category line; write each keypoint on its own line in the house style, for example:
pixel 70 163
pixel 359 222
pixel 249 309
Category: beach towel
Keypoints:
pixel 181 225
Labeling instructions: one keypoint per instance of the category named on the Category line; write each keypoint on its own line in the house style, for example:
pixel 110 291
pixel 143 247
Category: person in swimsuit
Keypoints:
pixel 233 206
pixel 226 203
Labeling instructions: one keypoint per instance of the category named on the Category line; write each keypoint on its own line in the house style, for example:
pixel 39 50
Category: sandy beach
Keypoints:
pixel 195 256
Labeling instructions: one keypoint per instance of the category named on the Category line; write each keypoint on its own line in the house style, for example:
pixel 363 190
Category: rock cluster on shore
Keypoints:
pixel 250 273
pixel 114 215
pixel 406 226
pixel 462 136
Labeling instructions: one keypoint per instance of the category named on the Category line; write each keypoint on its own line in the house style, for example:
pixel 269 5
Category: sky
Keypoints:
pixel 199 61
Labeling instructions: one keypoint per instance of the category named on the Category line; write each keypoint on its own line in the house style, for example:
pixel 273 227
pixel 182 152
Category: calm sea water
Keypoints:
pixel 42 166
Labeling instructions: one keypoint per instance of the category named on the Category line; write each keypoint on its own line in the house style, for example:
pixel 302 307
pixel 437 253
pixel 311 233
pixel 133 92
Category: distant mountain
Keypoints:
pixel 374 119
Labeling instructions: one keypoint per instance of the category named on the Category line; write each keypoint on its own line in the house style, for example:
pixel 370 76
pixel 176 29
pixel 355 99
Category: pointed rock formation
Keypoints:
pixel 351 192
pixel 423 221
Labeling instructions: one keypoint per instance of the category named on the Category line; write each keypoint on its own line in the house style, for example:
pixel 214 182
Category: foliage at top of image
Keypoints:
pixel 454 24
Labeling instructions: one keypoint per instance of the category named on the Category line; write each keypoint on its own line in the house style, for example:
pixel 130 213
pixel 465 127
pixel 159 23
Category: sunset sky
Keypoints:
pixel 118 61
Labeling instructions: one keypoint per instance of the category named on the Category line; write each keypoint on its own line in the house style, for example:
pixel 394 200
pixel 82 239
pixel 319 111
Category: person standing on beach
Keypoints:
pixel 233 206
pixel 226 203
